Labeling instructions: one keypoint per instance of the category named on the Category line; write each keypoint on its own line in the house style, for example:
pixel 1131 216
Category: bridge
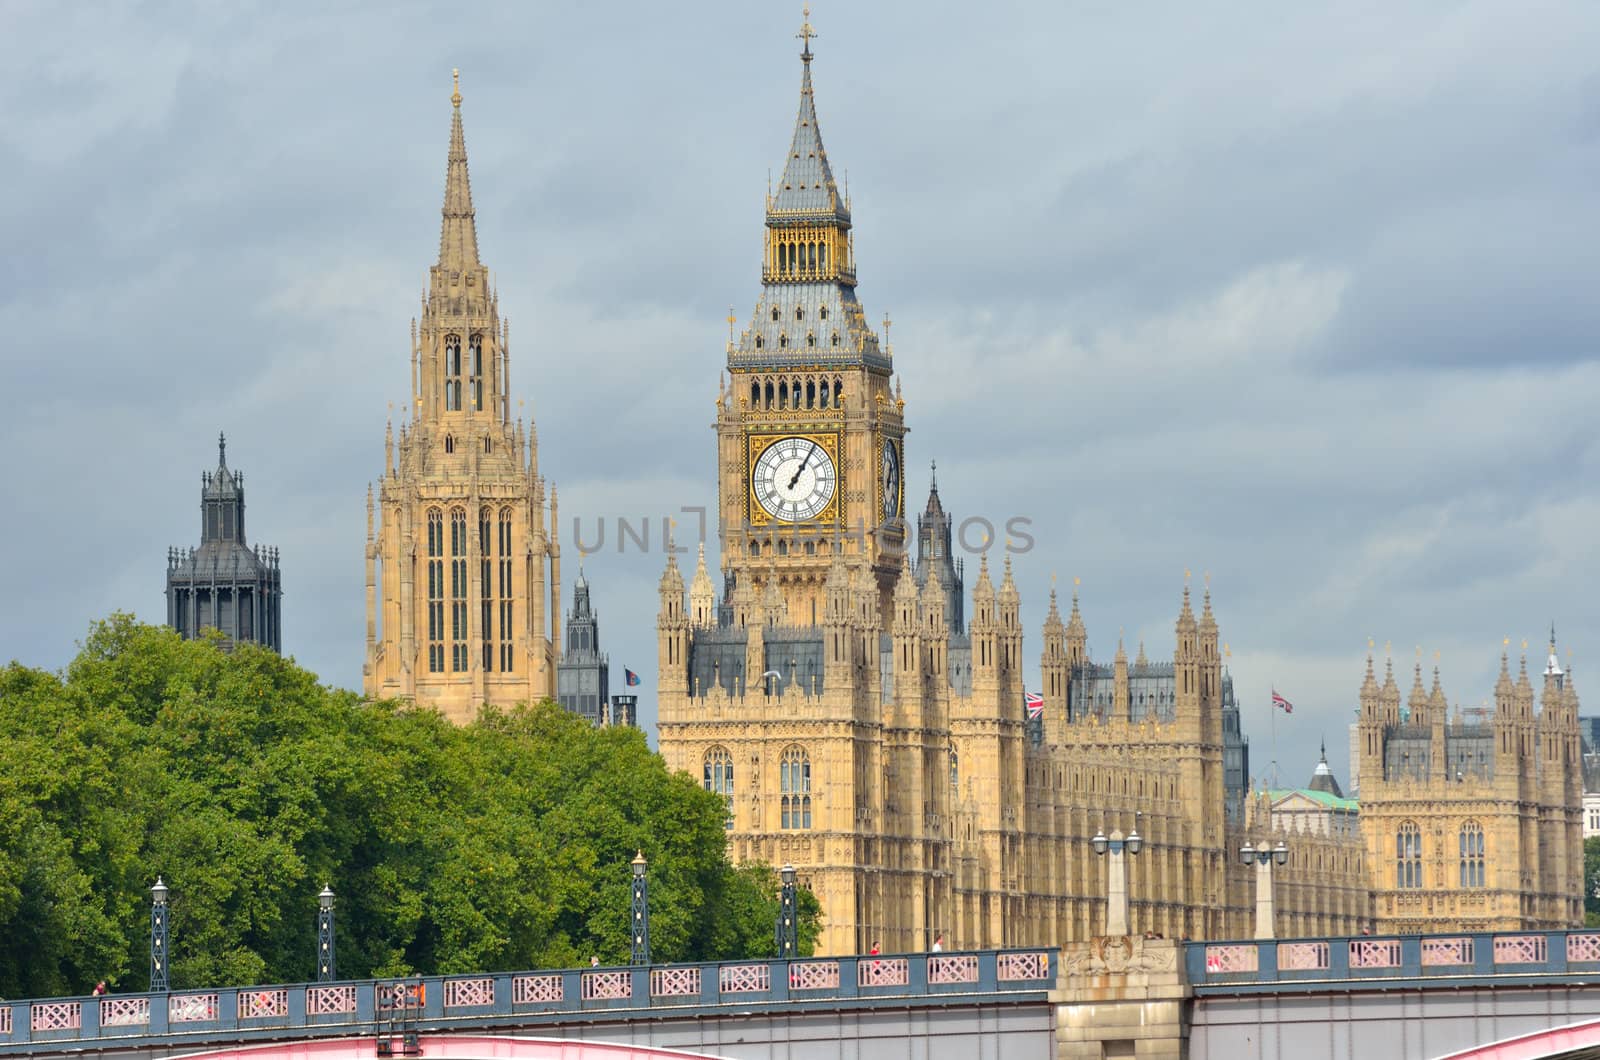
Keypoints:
pixel 1466 997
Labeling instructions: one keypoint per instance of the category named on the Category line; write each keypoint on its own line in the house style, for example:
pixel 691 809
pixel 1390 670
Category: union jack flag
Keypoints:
pixel 1035 701
pixel 1278 702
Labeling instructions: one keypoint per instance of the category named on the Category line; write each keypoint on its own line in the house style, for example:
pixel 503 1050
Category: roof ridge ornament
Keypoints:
pixel 805 34
pixel 455 95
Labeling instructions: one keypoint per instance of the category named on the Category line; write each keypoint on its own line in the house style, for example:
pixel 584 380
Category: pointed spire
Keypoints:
pixel 458 234
pixel 807 185
pixel 222 463
pixel 1141 660
pixel 1186 623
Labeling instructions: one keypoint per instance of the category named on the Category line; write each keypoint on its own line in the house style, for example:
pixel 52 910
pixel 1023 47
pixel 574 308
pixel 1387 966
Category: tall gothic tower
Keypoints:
pixel 463 580
pixel 809 431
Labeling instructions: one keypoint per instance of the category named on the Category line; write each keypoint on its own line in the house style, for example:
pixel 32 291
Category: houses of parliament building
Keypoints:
pixel 862 710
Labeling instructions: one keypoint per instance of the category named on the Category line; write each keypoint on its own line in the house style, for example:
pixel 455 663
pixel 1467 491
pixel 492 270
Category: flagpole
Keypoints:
pixel 1272 708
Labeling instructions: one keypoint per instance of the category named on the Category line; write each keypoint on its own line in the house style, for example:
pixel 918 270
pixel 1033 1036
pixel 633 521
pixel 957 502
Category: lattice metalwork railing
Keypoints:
pixel 883 971
pixel 5 1019
pixel 675 982
pixel 468 993
pixel 263 1004
pixel 607 986
pixel 814 975
pixel 956 968
pixel 124 1011
pixel 1303 956
pixel 1235 958
pixel 191 1008
pixel 1581 948
pixel 56 1016
pixel 537 990
pixel 1374 953
pixel 1520 949
pixel 1446 952
pixel 1013 967
pixel 744 978
pixel 330 1000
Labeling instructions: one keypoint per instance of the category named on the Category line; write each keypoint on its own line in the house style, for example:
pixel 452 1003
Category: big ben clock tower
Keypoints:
pixel 810 431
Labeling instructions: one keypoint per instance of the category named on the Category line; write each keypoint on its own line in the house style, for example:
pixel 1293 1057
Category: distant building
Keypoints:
pixel 1319 808
pixel 224 584
pixel 583 675
pixel 1355 759
pixel 1589 731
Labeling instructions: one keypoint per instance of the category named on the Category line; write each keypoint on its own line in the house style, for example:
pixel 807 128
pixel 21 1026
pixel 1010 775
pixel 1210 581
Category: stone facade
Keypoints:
pixel 463 578
pixel 225 584
pixel 861 731
pixel 1473 825
pixel 583 677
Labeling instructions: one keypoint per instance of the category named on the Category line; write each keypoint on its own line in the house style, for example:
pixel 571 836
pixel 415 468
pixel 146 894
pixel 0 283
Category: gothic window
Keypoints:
pixel 475 370
pixel 955 772
pixel 811 548
pixel 822 396
pixel 755 548
pixel 755 395
pixel 811 394
pixel 504 555
pixel 823 312
pixel 719 778
pixel 1408 857
pixel 811 256
pixel 836 338
pixel 458 590
pixel 488 445
pixel 799 313
pixel 811 339
pixel 794 788
pixel 769 393
pixel 486 587
pixel 838 391
pixel 783 547
pixel 783 341
pixel 449 443
pixel 1471 855
pixel 822 260
pixel 435 591
pixel 774 313
pixel 759 342
pixel 783 395
pixel 452 373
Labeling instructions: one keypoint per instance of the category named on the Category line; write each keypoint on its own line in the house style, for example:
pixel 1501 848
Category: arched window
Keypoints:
pixel 783 341
pixel 811 548
pixel 799 313
pixel 822 260
pixel 488 445
pixel 836 338
pixel 811 339
pixel 838 391
pixel 1471 855
pixel 435 591
pixel 755 548
pixel 505 594
pixel 759 342
pixel 822 396
pixel 475 370
pixel 783 546
pixel 774 312
pixel 823 312
pixel 769 393
pixel 449 443
pixel 458 590
pixel 452 373
pixel 955 772
pixel 486 586
pixel 794 788
pixel 755 395
pixel 811 394
pixel 1408 856
pixel 783 395
pixel 719 778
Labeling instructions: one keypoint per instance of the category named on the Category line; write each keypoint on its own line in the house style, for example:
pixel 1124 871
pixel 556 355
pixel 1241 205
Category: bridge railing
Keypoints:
pixel 1349 959
pixel 289 1010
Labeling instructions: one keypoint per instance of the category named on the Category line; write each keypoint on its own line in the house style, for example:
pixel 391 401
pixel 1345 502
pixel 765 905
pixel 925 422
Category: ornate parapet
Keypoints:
pixel 1122 995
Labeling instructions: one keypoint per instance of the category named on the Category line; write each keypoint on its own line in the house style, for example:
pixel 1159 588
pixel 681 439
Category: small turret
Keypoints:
pixel 702 594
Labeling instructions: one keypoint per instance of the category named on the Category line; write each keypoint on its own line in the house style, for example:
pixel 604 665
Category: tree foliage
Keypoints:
pixel 1591 881
pixel 500 845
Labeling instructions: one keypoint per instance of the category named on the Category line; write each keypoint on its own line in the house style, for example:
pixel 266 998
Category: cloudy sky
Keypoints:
pixel 1302 299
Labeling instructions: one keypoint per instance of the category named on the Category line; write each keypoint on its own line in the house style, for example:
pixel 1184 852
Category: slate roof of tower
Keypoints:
pixel 807 188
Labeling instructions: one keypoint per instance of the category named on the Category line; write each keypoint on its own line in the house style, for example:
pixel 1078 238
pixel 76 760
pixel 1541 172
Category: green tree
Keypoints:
pixel 499 845
pixel 1591 882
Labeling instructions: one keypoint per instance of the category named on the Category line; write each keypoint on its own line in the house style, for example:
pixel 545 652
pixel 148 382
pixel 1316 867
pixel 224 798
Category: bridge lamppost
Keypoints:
pixel 1263 857
pixel 160 983
pixel 325 935
pixel 1117 883
pixel 641 911
pixel 788 929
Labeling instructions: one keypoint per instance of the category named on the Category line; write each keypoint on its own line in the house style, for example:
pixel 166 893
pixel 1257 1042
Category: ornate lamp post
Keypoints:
pixel 325 966
pixel 1117 882
pixel 1263 857
pixel 160 983
pixel 788 928
pixel 641 911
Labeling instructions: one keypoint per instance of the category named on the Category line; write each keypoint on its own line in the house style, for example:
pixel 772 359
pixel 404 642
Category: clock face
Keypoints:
pixel 794 479
pixel 891 480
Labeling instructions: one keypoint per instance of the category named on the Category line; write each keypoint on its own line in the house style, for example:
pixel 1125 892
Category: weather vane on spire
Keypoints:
pixel 806 32
pixel 455 96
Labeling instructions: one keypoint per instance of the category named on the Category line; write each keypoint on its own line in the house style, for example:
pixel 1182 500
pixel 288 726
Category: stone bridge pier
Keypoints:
pixel 1122 996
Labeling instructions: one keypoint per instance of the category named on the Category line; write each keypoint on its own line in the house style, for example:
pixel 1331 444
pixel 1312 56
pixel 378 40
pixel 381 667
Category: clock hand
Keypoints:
pixel 802 466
